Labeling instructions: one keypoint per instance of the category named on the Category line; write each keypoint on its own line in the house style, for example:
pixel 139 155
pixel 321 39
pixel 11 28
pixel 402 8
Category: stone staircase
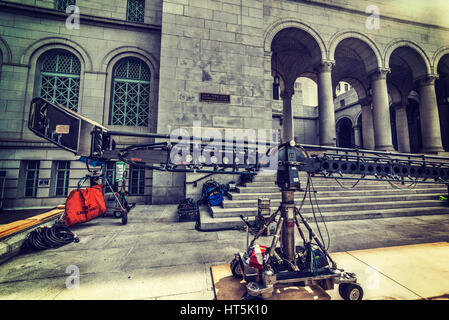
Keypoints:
pixel 367 200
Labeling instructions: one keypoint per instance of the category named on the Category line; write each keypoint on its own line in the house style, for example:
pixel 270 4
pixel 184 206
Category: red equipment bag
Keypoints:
pixel 83 205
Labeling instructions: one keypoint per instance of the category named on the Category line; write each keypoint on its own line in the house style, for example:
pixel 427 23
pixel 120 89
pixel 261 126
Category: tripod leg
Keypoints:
pixel 276 237
pixel 265 226
pixel 299 230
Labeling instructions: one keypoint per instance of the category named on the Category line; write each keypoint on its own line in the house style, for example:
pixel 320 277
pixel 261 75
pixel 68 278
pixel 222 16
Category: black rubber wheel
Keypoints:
pixel 236 269
pixel 350 291
pixel 124 219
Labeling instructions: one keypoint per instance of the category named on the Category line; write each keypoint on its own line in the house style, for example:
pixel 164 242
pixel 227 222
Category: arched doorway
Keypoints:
pixel 345 133
pixel 414 123
pixel 442 92
pixel 358 134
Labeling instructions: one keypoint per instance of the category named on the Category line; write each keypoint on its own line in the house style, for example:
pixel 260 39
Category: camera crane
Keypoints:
pixel 288 263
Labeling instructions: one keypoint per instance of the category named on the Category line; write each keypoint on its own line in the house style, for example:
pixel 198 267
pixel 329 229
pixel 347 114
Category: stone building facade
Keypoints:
pixel 80 68
pixel 394 55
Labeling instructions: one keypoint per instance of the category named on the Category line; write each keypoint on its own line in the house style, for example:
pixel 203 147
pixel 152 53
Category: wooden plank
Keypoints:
pixel 227 287
pixel 19 225
pixel 47 215
pixel 13 227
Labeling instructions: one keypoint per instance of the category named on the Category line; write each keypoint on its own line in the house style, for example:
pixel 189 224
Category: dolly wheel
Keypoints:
pixel 236 269
pixel 350 291
pixel 124 219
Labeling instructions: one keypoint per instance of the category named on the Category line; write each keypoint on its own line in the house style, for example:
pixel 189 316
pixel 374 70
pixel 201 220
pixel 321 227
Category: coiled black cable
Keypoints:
pixel 48 237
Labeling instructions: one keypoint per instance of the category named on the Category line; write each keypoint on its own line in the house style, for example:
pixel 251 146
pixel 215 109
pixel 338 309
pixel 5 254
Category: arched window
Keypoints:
pixel 60 79
pixel 131 93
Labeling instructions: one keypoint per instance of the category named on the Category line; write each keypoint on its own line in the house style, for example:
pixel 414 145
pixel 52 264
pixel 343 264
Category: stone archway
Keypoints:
pixel 410 70
pixel 295 53
pixel 356 60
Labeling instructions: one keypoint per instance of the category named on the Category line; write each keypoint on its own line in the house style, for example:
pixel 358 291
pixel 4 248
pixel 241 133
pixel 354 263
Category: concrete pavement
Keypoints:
pixel 156 257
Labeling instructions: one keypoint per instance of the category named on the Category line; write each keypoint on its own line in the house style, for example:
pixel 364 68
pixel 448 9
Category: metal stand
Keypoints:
pixel 289 264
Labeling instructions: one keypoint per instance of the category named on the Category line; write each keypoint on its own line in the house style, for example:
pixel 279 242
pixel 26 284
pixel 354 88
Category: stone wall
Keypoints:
pixel 214 47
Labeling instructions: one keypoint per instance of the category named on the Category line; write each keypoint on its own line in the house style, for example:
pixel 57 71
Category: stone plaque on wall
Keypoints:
pixel 215 97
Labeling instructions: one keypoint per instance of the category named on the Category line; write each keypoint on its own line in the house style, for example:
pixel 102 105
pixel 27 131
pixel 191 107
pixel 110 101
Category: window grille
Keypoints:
pixel 136 11
pixel 31 178
pixel 60 79
pixel 137 181
pixel 62 178
pixel 131 93
pixel 61 5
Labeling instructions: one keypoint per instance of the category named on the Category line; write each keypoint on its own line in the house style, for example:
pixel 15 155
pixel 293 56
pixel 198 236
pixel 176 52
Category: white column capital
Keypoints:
pixel 380 74
pixel 325 66
pixel 428 80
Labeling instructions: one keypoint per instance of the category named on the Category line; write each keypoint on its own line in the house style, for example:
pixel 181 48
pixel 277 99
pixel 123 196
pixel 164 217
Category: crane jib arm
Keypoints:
pixel 84 137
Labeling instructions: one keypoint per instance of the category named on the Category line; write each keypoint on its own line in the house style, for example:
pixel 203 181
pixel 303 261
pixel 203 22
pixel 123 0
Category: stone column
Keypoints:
pixel 288 128
pixel 381 111
pixel 367 127
pixel 430 121
pixel 402 127
pixel 326 108
pixel 357 138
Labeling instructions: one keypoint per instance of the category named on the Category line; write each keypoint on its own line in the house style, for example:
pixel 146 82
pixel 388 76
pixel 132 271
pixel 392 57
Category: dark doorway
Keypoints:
pixel 414 126
pixel 344 133
pixel 394 135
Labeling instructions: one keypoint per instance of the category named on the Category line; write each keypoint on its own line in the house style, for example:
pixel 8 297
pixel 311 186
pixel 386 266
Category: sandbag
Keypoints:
pixel 257 257
pixel 83 205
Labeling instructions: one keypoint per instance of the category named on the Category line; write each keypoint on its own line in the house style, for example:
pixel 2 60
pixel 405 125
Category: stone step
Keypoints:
pixel 208 223
pixel 257 189
pixel 335 200
pixel 379 186
pixel 218 212
pixel 264 178
pixel 332 182
pixel 339 193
